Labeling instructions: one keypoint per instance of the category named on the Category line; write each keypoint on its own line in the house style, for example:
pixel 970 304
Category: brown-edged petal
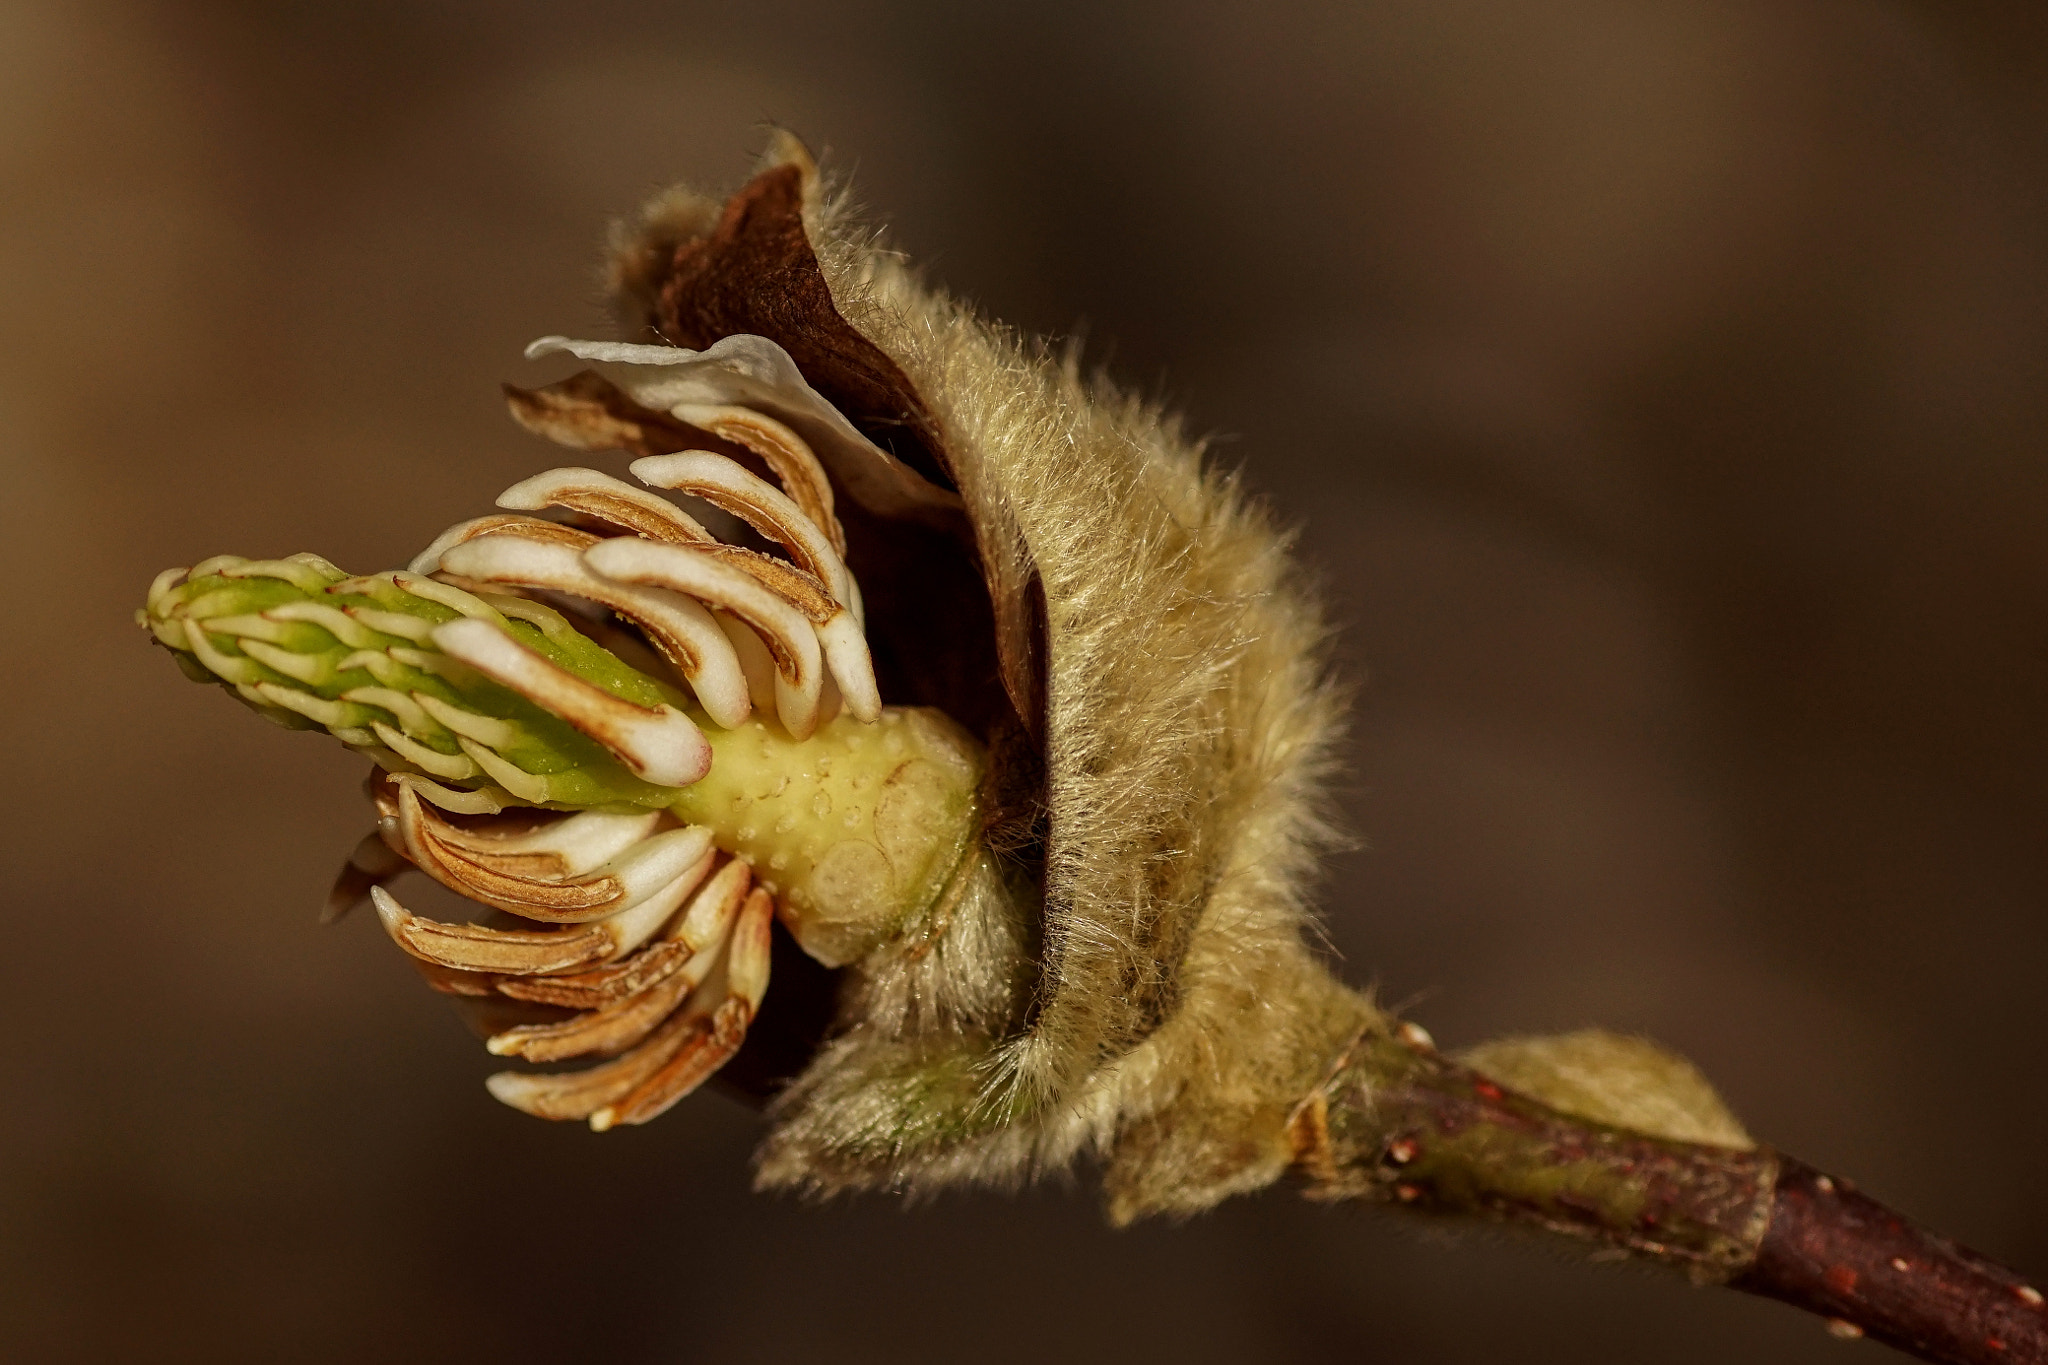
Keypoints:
pixel 725 485
pixel 679 627
pixel 570 844
pixel 676 1058
pixel 788 457
pixel 428 561
pixel 693 934
pixel 641 920
pixel 692 1064
pixel 499 882
pixel 747 370
pixel 462 981
pixel 837 627
pixel 713 909
pixel 601 986
pixel 617 1026
pixel 588 412
pixel 662 746
pixel 608 1030
pixel 578 1094
pixel 690 571
pixel 610 500
pixel 557 846
pixel 746 981
pixel 473 948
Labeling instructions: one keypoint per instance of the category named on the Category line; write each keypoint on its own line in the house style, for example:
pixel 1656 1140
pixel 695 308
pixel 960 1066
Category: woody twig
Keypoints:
pixel 1399 1122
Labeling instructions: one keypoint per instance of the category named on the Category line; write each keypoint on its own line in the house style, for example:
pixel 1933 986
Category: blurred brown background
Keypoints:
pixel 1660 383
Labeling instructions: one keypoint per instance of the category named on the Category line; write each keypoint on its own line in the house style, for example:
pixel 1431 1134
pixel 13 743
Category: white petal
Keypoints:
pixel 663 746
pixel 786 454
pixel 681 628
pixel 846 655
pixel 755 372
pixel 583 842
pixel 686 570
pixel 652 864
pixel 470 947
pixel 609 499
pixel 724 484
pixel 635 924
pixel 428 561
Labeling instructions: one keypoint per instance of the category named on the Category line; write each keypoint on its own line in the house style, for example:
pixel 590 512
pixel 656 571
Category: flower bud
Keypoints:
pixel 488 701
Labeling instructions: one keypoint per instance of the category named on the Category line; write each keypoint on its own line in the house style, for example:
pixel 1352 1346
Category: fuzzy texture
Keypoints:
pixel 1173 1014
pixel 1612 1078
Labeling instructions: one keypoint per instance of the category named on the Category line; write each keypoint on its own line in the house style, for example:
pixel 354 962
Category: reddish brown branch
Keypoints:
pixel 1398 1121
pixel 1833 1250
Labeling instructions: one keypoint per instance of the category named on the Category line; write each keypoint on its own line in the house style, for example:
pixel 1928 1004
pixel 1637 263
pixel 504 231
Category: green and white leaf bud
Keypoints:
pixel 495 696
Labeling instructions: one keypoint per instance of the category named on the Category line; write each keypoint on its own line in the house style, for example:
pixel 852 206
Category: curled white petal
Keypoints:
pixel 297 571
pixel 530 787
pixel 662 746
pixel 485 730
pixel 786 631
pixel 411 714
pixel 332 714
pixel 413 628
pixel 678 626
pixel 640 921
pixel 233 668
pixel 609 499
pixel 788 456
pixel 724 484
pixel 755 372
pixel 311 669
pixel 846 655
pixel 461 800
pixel 454 767
pixel 428 561
pixel 582 842
pixel 473 948
pixel 157 603
pixel 333 620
